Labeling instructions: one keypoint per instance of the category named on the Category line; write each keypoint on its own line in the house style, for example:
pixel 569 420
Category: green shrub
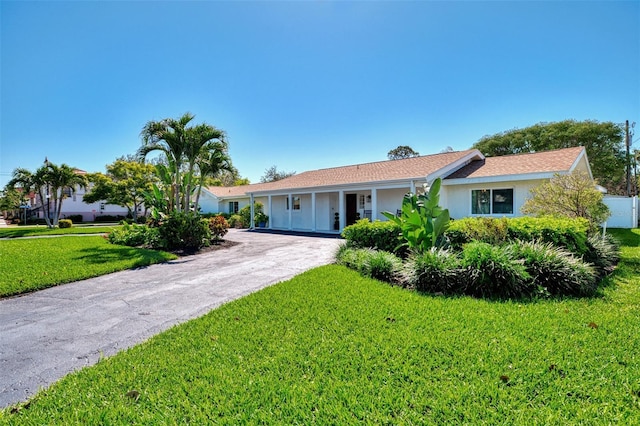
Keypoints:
pixel 603 253
pixel 383 266
pixel 236 221
pixel 109 218
pixel 436 270
pixel 352 258
pixel 380 265
pixel 32 221
pixel 184 231
pixel 133 235
pixel 218 226
pixel 568 233
pixel 487 229
pixel 376 235
pixel 75 218
pixel 563 232
pixel 492 271
pixel 555 270
pixel 65 223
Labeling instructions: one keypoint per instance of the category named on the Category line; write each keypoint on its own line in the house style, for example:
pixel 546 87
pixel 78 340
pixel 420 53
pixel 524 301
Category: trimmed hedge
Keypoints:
pixel 75 218
pixel 376 235
pixel 65 223
pixel 568 233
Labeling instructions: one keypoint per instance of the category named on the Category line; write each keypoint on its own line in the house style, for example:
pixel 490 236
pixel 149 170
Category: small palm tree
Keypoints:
pixel 187 150
pixel 202 141
pixel 211 164
pixel 49 181
pixel 168 136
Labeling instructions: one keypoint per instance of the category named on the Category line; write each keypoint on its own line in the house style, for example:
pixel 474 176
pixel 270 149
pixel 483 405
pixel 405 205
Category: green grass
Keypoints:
pixel 33 264
pixel 37 230
pixel 331 347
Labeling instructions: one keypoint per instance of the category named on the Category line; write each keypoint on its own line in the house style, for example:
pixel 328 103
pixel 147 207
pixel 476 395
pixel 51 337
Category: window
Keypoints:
pixel 492 201
pixel 233 207
pixel 361 201
pixel 66 192
pixel 296 203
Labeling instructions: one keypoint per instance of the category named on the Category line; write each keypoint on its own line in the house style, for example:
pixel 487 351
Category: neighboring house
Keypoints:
pixel 73 205
pixel 327 200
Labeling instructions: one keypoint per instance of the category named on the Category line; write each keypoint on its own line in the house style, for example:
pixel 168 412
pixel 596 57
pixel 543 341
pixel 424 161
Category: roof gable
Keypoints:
pixel 546 162
pixel 381 171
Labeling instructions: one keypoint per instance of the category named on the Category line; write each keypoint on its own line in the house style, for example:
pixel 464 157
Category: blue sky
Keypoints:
pixel 309 84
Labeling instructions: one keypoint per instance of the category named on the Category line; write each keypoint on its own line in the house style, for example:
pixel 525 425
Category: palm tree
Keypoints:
pixel 60 178
pixel 170 137
pixel 49 181
pixel 184 148
pixel 211 164
pixel 202 140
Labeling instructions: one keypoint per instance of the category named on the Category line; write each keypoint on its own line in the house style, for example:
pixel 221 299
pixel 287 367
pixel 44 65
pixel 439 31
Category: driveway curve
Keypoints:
pixel 50 333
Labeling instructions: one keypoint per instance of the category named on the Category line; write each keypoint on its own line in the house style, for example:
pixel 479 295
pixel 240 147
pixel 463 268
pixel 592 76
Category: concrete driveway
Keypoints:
pixel 47 334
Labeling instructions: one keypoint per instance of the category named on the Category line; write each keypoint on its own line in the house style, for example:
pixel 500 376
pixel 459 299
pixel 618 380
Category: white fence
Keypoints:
pixel 624 211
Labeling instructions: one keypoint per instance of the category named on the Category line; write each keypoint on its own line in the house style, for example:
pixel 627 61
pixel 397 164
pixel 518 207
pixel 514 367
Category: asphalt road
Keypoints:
pixel 49 333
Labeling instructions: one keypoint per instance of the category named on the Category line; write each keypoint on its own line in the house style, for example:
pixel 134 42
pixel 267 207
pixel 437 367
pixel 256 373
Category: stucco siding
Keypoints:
pixel 457 198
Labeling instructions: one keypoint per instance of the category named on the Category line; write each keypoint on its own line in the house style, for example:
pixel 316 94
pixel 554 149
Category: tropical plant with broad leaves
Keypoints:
pixel 422 221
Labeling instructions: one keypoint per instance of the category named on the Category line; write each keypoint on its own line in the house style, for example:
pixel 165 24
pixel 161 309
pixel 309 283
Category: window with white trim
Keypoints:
pixel 233 207
pixel 295 202
pixel 492 201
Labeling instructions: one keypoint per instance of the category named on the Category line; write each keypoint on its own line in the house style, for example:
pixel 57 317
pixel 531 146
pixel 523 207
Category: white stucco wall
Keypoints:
pixel 209 203
pixel 457 198
pixel 389 200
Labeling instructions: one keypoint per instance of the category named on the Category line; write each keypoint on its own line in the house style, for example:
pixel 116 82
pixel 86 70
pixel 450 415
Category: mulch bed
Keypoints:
pixel 220 245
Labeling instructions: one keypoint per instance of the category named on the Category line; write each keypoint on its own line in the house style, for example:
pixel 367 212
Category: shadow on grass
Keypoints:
pixel 626 237
pixel 113 253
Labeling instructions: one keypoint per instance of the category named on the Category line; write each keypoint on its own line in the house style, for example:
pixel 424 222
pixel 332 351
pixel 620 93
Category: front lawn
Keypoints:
pixel 37 230
pixel 37 263
pixel 331 347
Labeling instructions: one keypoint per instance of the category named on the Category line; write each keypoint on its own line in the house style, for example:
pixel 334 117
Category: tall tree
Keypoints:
pixel 169 137
pixel 604 143
pixel 272 174
pixel 125 184
pixel 185 148
pixel 402 151
pixel 49 182
pixel 212 163
pixel 205 145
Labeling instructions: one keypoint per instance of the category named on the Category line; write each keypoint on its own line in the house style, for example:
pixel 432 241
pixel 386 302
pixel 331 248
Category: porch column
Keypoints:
pixel 313 212
pixel 290 211
pixel 374 204
pixel 341 211
pixel 252 224
pixel 269 212
pixel 412 187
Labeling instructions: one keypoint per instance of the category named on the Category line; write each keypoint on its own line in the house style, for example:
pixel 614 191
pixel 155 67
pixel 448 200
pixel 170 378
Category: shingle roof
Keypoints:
pixel 390 170
pixel 559 160
pixel 415 168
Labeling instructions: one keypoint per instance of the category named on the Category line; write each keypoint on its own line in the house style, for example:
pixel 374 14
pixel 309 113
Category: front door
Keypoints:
pixel 352 204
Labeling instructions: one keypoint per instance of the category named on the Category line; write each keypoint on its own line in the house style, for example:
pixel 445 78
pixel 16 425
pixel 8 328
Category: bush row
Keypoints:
pixel 515 270
pixel 185 231
pixel 376 235
pixel 570 234
pixel 562 232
